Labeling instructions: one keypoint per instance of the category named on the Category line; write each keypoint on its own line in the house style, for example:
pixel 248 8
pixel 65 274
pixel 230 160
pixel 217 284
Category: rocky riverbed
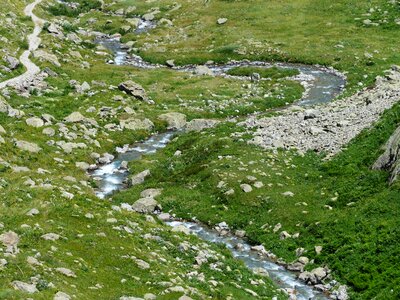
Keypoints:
pixel 329 127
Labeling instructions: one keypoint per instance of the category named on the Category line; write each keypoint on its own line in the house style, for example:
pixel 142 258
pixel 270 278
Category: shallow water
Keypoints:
pixel 323 86
pixel 282 277
pixel 111 177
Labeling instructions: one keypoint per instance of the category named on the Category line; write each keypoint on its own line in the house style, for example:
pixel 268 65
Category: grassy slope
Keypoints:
pixel 14 33
pixel 304 31
pixel 308 31
pixel 359 234
pixel 104 265
pixel 280 31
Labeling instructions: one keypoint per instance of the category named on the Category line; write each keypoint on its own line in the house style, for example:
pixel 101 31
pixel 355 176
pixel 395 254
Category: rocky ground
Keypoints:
pixel 327 128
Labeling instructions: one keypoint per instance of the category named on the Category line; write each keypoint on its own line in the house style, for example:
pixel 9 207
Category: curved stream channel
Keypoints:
pixel 323 85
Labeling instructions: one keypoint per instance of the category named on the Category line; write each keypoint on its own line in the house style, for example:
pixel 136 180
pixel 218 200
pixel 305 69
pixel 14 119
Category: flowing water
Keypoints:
pixel 323 85
pixel 282 277
pixel 112 177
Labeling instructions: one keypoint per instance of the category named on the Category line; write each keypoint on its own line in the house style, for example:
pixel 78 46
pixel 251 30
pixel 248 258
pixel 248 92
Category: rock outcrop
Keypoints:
pixel 134 89
pixel 390 159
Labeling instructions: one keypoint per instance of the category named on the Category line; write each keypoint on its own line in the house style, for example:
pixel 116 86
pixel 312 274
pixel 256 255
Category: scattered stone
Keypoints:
pixel 288 194
pixel 222 21
pixel 246 188
pixel 61 296
pixel 32 212
pixel 66 272
pixel 75 117
pixel 24 287
pixel 50 236
pixel 10 240
pixel 284 235
pixel 27 146
pixel 318 249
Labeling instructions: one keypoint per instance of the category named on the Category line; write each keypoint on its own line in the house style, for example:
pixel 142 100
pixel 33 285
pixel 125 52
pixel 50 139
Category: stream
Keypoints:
pixel 322 85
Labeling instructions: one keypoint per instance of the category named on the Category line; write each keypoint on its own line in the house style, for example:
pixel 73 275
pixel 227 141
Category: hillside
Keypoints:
pixel 260 124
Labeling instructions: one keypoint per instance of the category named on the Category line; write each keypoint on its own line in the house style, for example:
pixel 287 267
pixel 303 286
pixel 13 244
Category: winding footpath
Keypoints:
pixel 34 41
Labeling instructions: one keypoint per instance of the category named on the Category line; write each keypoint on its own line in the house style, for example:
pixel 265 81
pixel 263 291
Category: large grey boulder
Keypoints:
pixel 146 205
pixel 35 122
pixel 10 240
pixel 24 287
pixel 134 89
pixel 27 146
pixel 203 70
pixel 390 159
pixel 140 177
pixel 74 117
pixel 137 124
pixel 200 124
pixel 12 62
pixel 175 120
pixel 46 56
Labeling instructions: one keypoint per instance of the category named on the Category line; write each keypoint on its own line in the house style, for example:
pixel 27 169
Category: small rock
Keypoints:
pixel 222 21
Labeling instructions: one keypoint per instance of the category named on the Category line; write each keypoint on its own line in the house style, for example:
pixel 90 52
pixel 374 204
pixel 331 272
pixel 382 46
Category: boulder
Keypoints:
pixel 66 272
pixel 137 124
pixel 45 56
pixel 140 177
pixel 222 21
pixel 49 131
pixel 134 22
pixel 55 29
pixel 146 205
pixel 203 70
pixel 390 159
pixel 75 117
pixel 11 62
pixel 200 124
pixel 134 89
pixel 246 188
pixel 170 63
pixel 24 287
pixel 148 17
pixel 27 146
pixel 61 296
pixel 10 240
pixel 175 120
pixel 35 122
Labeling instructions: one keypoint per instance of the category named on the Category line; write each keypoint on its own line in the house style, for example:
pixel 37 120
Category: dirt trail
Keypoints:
pixel 34 42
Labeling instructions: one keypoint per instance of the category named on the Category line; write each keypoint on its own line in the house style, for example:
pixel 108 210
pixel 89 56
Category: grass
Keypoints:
pixel 359 233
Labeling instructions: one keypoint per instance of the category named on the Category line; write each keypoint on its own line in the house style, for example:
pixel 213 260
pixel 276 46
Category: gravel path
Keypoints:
pixel 34 41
